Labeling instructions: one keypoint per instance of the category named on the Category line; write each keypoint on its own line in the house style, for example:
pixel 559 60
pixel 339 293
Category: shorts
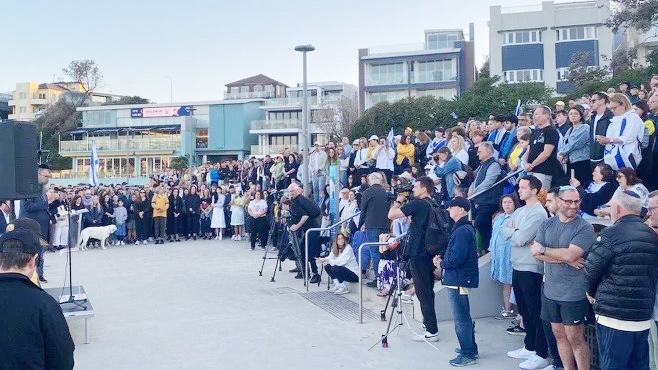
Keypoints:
pixel 560 312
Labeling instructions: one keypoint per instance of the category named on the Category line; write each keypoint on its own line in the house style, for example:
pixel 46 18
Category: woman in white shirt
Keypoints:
pixel 218 221
pixel 258 210
pixel 456 146
pixel 341 264
pixel 384 156
pixel 626 130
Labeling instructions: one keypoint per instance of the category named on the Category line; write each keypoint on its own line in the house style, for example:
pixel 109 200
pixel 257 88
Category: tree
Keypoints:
pixel 337 119
pixel 58 118
pixel 638 14
pixel 87 74
pixel 178 163
pixel 484 70
pixel 128 100
pixel 583 74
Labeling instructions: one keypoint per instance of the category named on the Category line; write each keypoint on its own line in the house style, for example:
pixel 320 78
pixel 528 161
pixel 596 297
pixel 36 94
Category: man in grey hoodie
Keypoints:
pixel 527 272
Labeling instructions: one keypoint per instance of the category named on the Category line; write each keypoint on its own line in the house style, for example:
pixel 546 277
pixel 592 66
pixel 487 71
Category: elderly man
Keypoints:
pixel 486 202
pixel 305 214
pixel 318 171
pixel 621 284
pixel 373 219
pixel 34 332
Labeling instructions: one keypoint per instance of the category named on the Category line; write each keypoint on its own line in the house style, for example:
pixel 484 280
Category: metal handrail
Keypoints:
pixel 319 229
pixel 374 267
pixel 511 174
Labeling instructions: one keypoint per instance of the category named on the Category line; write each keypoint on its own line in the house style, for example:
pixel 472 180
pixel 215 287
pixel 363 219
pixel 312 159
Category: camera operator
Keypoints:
pixel 305 214
pixel 420 262
pixel 374 207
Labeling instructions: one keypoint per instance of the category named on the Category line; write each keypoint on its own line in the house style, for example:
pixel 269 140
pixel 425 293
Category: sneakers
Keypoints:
pixel 123 243
pixel 342 289
pixel 515 330
pixel 145 242
pixel 137 242
pixel 334 288
pixel 406 298
pixel 534 363
pixel 463 361
pixel 521 354
pixel 315 279
pixel 429 337
pixel 505 315
pixel 459 352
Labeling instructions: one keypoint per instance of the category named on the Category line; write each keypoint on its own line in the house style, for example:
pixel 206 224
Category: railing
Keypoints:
pixel 263 124
pixel 109 144
pixel 509 175
pixel 319 229
pixel 361 275
pixel 272 149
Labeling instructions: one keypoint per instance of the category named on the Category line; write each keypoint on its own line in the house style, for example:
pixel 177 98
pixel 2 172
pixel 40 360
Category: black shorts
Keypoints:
pixel 560 312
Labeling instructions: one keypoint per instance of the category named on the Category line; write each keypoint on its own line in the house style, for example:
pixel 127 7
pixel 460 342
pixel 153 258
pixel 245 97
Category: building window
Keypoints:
pixel 442 40
pixel 524 75
pixel 22 95
pixel 522 37
pixel 446 94
pixel 42 96
pixel 202 138
pixel 563 74
pixel 575 33
pixel 386 96
pixel 385 74
pixel 435 71
pixel 23 110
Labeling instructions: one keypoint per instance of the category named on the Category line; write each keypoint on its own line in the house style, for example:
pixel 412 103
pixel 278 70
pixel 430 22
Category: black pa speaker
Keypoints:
pixel 18 160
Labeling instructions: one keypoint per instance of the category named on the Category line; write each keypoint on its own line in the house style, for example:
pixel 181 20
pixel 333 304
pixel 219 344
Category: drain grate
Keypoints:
pixel 278 291
pixel 339 306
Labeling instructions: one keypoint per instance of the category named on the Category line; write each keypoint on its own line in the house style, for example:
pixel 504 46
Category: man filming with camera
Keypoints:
pixel 420 261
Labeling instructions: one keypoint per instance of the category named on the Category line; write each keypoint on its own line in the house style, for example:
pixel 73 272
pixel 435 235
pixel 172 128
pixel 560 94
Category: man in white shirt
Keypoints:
pixel 318 168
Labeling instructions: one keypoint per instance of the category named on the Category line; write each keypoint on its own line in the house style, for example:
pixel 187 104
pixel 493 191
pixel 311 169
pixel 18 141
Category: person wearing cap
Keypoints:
pixel 318 169
pixel 34 332
pixel 620 278
pixel 460 275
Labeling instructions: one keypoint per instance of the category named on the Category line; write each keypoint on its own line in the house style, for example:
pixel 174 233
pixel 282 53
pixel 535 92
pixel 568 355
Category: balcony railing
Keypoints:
pixel 113 144
pixel 263 124
pixel 249 95
pixel 272 149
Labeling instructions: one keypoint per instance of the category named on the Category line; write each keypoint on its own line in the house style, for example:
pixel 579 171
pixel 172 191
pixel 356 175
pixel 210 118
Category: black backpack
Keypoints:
pixel 437 233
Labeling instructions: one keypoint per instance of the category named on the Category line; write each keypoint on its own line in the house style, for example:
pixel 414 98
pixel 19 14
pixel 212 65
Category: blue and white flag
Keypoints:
pixel 454 115
pixel 391 138
pixel 517 112
pixel 93 165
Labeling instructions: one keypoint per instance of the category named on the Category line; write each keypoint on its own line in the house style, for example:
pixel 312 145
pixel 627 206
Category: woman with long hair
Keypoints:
pixel 458 149
pixel 237 216
pixel 446 169
pixel 405 154
pixel 257 209
pixel 130 223
pixel 598 192
pixel 175 216
pixel 142 216
pixel 628 180
pixel 624 131
pixel 218 221
pixel 290 169
pixel 573 149
pixel 501 252
pixel 341 265
pixel 206 214
pixel 193 210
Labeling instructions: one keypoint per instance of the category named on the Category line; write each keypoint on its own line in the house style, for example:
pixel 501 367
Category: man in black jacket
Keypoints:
pixel 34 333
pixel 373 218
pixel 305 214
pixel 621 284
pixel 598 125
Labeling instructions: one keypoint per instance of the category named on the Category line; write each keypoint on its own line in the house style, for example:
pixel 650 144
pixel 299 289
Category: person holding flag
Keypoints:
pixel 93 165
pixel 437 142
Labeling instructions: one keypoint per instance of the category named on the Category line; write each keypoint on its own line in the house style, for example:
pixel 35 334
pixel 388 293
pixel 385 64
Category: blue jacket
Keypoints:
pixel 507 144
pixel 449 168
pixel 460 264
pixel 575 143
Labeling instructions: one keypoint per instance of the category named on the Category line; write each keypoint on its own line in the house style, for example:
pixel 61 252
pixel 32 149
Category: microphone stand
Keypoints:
pixel 72 299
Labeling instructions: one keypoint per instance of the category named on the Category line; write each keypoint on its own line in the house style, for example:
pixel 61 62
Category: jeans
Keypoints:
pixel 364 258
pixel 318 186
pixel 423 277
pixel 341 273
pixel 622 350
pixel 461 314
pixel 372 236
pixel 40 263
pixel 527 290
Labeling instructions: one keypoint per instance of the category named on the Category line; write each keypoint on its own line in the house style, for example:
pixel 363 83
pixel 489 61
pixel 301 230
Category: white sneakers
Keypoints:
pixel 426 337
pixel 137 242
pixel 521 354
pixel 342 289
pixel 533 363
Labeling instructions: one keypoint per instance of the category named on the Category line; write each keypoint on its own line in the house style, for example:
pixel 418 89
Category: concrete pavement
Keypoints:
pixel 201 305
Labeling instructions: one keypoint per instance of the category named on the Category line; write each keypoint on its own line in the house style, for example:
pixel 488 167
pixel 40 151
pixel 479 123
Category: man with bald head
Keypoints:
pixel 305 214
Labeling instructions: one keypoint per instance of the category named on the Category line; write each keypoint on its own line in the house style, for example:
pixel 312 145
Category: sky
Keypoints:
pixel 203 44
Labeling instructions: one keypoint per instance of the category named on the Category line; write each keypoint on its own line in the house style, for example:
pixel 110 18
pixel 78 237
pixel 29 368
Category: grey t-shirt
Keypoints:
pixel 561 281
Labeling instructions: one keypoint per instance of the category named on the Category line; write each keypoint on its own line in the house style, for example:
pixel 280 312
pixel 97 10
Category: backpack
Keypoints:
pixel 464 177
pixel 437 233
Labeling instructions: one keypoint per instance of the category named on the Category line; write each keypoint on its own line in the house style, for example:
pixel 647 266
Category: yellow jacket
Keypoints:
pixel 405 150
pixel 160 204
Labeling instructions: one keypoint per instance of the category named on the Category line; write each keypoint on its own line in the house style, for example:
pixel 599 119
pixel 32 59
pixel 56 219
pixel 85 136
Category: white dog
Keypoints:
pixel 101 233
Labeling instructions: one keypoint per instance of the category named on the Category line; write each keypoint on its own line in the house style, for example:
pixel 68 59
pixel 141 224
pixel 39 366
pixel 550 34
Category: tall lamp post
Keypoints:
pixel 192 143
pixel 306 137
pixel 171 89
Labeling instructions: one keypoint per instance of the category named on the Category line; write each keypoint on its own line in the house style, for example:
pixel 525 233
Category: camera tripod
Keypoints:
pixel 271 245
pixel 395 300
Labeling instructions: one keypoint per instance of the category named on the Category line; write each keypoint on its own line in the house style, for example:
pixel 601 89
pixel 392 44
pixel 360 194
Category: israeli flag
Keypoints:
pixel 93 168
pixel 454 115
pixel 517 112
pixel 391 138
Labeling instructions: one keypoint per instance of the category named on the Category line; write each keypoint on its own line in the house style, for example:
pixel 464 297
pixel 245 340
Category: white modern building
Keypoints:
pixel 281 126
pixel 536 43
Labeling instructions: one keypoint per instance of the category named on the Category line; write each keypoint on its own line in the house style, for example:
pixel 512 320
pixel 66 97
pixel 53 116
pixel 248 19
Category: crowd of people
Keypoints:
pixel 522 188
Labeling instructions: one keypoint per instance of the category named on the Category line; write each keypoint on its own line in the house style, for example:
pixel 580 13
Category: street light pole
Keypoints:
pixel 192 139
pixel 305 142
pixel 171 89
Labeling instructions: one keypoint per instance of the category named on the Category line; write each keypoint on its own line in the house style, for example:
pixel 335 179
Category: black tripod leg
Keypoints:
pixel 260 273
pixel 278 263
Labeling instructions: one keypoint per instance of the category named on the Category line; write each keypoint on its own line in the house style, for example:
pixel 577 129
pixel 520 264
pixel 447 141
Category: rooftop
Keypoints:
pixel 259 79
pixel 158 105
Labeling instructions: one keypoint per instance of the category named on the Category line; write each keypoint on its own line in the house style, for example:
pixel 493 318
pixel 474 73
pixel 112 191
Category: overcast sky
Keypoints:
pixel 204 44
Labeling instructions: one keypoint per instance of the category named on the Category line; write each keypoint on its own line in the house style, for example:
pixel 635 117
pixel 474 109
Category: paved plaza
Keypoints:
pixel 202 305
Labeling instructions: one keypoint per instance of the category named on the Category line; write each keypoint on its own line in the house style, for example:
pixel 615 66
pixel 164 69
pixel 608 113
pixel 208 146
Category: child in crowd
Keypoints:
pixel 120 217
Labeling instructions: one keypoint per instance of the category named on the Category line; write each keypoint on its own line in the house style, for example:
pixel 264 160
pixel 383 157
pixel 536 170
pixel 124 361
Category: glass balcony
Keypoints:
pixel 248 95
pixel 152 143
pixel 290 124
pixel 272 149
